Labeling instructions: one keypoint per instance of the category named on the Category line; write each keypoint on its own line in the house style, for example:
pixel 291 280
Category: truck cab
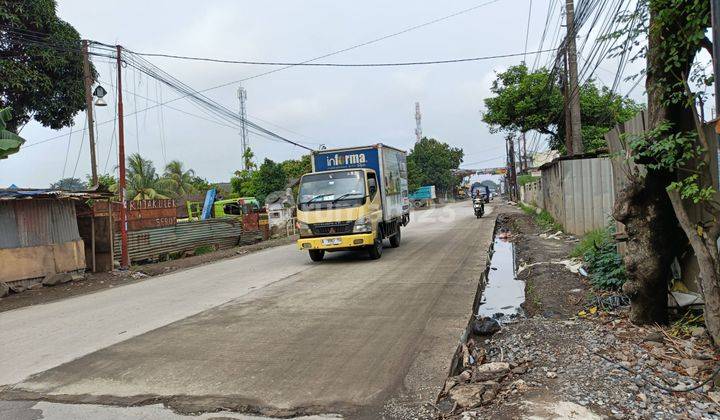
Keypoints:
pixel 346 209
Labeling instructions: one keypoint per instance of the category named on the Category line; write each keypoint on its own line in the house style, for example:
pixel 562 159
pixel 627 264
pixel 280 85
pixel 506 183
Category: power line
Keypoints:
pixel 394 64
pixel 527 31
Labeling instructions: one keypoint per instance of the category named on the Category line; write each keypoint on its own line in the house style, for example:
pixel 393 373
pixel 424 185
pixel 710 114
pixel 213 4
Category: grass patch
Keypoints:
pixel 591 240
pixel 204 249
pixel 544 219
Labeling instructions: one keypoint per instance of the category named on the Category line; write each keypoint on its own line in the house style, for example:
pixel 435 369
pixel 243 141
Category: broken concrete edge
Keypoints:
pixel 456 363
pixel 182 404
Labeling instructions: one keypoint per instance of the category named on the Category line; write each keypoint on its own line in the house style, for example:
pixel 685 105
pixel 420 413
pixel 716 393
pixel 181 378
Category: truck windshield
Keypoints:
pixel 332 190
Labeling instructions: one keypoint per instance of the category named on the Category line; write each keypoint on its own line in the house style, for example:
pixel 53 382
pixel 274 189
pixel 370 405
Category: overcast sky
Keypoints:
pixel 332 106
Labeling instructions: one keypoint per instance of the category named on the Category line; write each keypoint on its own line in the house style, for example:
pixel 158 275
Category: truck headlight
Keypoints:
pixel 362 225
pixel 303 228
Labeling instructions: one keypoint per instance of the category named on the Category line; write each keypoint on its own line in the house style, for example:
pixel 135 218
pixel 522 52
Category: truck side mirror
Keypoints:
pixel 372 186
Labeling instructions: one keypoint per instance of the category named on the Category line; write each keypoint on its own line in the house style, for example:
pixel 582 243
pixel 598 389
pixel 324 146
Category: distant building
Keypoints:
pixel 281 209
pixel 540 158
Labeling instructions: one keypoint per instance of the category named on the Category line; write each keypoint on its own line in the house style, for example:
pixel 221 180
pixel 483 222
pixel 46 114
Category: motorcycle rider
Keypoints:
pixel 478 199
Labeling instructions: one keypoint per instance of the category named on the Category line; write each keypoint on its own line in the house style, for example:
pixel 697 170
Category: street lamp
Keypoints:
pixel 100 92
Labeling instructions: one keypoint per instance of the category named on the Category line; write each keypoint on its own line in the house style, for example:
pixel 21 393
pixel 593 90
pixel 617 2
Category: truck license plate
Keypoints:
pixel 332 241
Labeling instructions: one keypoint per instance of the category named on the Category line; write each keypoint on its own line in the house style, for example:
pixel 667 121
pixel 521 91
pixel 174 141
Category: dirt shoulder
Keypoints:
pixel 552 363
pixel 95 282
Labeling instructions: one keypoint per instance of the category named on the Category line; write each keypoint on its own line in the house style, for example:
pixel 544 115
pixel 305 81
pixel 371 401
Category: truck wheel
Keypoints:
pixel 375 251
pixel 317 254
pixel 395 239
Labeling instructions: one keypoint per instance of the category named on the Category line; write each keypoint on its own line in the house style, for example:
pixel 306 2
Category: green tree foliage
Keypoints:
pixel 249 159
pixel 176 180
pixel 269 177
pixel 107 181
pixel 142 181
pixel 295 168
pixel 200 184
pixel 525 101
pixel 69 184
pixel 40 81
pixel 431 162
pixel 9 142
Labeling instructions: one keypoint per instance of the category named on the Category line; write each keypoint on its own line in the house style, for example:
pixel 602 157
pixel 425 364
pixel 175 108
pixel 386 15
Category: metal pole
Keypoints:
pixel 574 96
pixel 124 260
pixel 88 80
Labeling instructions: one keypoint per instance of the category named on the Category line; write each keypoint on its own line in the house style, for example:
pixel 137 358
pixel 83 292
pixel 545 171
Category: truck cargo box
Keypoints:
pixel 389 163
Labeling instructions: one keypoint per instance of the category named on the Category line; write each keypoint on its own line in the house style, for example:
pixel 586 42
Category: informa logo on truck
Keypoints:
pixel 338 160
pixel 366 158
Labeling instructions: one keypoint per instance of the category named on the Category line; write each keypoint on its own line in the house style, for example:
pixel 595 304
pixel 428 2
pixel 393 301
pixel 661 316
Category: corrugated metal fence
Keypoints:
pixel 26 223
pixel 218 233
pixel 578 193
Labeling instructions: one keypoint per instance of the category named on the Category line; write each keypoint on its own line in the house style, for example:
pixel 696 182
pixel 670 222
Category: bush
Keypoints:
pixel 590 241
pixel 603 261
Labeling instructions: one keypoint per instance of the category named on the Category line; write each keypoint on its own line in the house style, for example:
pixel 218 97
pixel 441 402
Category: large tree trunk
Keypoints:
pixel 645 209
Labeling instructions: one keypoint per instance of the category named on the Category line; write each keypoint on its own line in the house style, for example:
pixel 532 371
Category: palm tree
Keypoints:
pixel 143 183
pixel 177 181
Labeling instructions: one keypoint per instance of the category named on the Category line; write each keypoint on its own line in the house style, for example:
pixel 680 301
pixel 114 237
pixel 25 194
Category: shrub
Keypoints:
pixel 590 241
pixel 603 261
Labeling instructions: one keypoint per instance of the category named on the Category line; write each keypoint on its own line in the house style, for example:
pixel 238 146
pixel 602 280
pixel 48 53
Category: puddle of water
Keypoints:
pixel 503 292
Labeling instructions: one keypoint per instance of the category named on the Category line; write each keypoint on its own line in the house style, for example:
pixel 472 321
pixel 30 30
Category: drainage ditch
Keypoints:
pixel 503 293
pixel 499 295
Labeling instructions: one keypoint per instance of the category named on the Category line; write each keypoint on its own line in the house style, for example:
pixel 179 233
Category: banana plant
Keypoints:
pixel 9 142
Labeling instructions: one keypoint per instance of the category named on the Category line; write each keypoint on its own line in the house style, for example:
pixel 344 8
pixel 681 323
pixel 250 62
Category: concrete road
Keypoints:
pixel 269 333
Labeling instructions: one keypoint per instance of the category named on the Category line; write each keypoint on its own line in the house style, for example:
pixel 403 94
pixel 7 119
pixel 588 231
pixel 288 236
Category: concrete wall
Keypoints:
pixel 531 193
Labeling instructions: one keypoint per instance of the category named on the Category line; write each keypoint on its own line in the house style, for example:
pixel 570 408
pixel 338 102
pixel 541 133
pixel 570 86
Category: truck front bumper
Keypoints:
pixel 336 243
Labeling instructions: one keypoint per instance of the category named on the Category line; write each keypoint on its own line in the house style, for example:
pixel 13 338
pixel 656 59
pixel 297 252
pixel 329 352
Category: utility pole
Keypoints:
pixel 513 172
pixel 124 258
pixel 418 122
pixel 566 107
pixel 244 140
pixel 574 94
pixel 523 160
pixel 88 80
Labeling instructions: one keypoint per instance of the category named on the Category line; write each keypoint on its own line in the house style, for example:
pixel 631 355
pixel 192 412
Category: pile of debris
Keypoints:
pixel 601 364
pixel 480 380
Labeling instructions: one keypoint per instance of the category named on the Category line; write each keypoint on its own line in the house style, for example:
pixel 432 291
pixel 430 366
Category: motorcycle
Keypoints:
pixel 478 207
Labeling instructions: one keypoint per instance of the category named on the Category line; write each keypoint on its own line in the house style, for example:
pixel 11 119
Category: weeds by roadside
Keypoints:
pixel 599 252
pixel 542 218
pixel 590 241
